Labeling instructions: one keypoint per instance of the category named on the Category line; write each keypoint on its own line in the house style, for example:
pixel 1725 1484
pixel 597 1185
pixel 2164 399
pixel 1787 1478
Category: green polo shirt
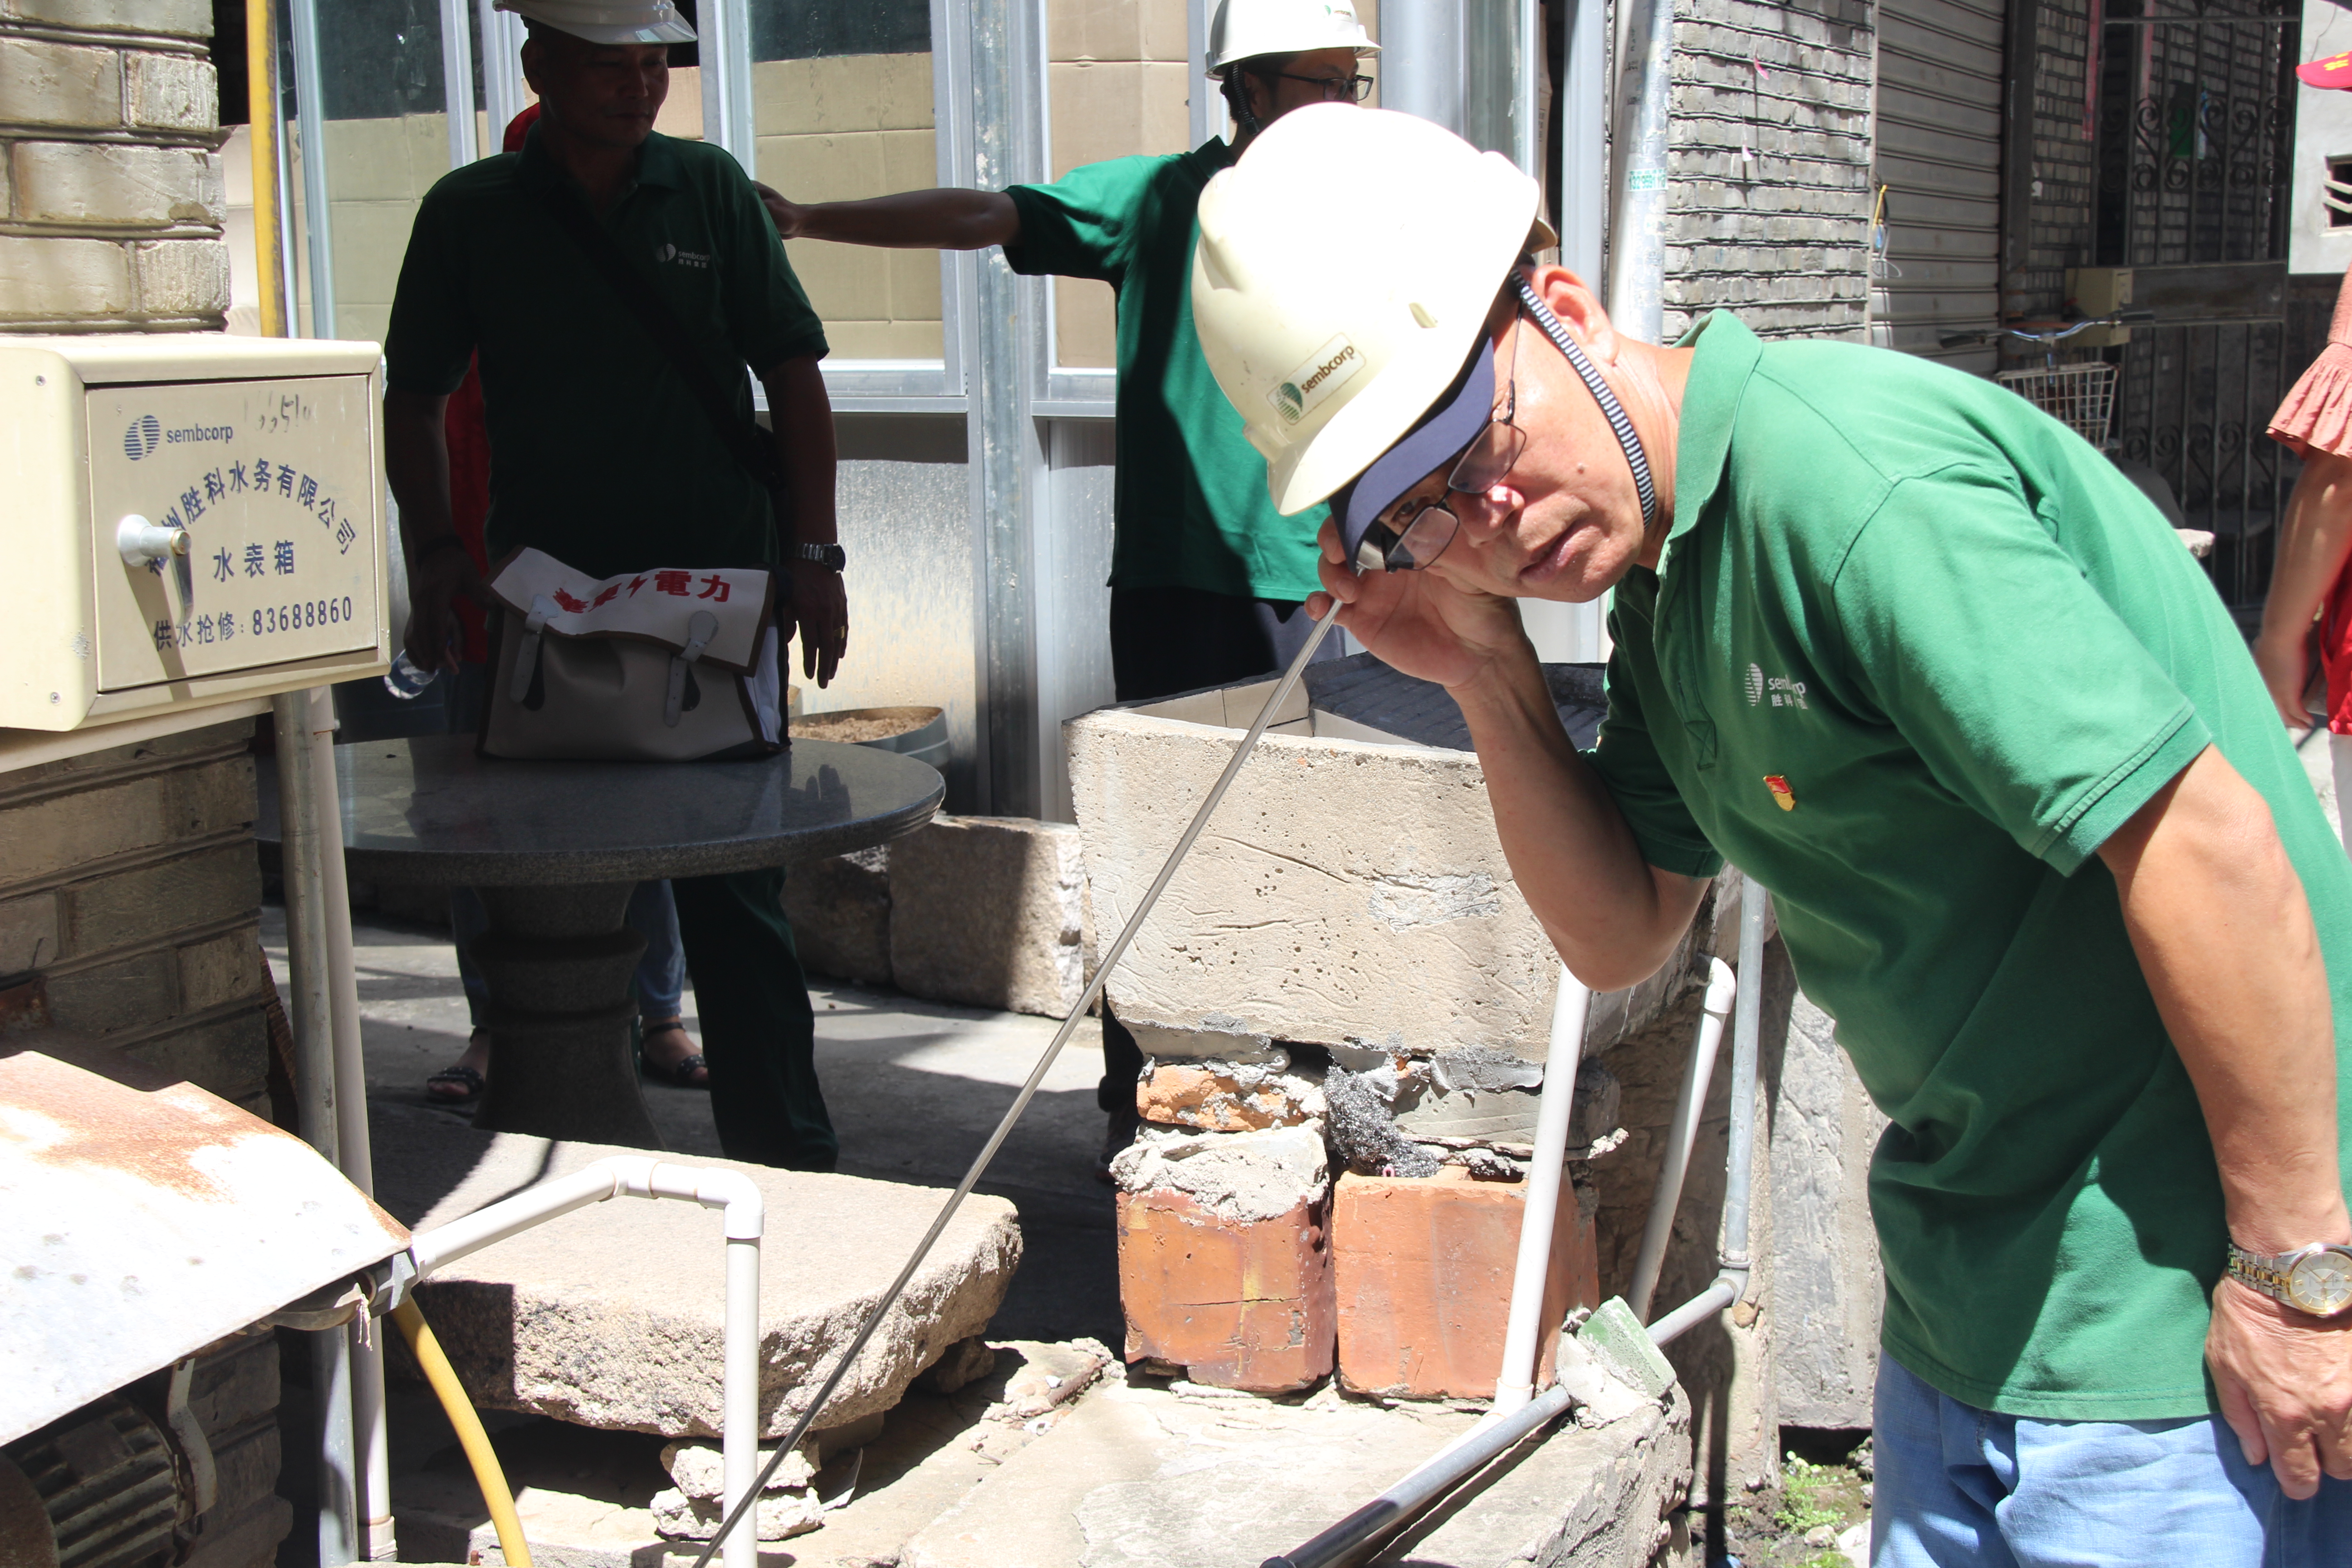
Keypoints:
pixel 1912 653
pixel 1189 502
pixel 599 454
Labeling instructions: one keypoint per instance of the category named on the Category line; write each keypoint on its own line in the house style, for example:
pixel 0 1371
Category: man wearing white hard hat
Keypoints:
pixel 1207 579
pixel 620 437
pixel 1924 663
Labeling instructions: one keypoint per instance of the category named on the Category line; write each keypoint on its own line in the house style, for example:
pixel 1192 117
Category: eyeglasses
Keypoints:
pixel 1354 89
pixel 1487 462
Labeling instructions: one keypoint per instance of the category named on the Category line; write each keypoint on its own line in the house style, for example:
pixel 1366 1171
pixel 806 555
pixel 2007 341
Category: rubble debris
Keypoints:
pixel 1228 1096
pixel 966 1361
pixel 1242 1177
pixel 1051 1375
pixel 1364 1130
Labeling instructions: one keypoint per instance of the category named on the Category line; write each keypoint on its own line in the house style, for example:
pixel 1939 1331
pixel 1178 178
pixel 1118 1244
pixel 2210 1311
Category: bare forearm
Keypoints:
pixel 802 415
pixel 2313 545
pixel 1613 916
pixel 417 463
pixel 944 219
pixel 2224 935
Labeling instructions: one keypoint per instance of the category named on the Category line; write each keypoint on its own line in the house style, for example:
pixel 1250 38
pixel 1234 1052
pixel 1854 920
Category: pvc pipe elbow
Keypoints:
pixel 1722 987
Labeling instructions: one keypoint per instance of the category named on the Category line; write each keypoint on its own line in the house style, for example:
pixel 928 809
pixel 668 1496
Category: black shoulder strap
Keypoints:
pixel 753 447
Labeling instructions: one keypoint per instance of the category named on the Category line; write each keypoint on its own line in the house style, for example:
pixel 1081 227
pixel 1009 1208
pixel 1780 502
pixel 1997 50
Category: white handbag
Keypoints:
pixel 666 665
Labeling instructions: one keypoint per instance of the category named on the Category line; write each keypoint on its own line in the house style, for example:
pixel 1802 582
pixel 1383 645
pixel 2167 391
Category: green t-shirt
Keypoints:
pixel 600 455
pixel 1913 652
pixel 1191 504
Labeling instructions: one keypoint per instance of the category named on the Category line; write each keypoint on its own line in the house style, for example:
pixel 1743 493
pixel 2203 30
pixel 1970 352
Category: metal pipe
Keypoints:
pixel 725 51
pixel 502 83
pixel 1682 1135
pixel 457 81
pixel 1546 1173
pixel 1731 1281
pixel 311 1015
pixel 1637 232
pixel 1116 950
pixel 353 1153
pixel 1527 132
pixel 1399 1506
pixel 640 1176
pixel 268 192
pixel 311 126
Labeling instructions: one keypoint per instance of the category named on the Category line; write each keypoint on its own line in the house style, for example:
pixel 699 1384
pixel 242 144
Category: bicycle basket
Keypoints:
pixel 2080 396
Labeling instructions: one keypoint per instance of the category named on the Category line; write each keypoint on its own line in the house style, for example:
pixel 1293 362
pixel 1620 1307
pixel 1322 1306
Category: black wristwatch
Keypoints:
pixel 830 556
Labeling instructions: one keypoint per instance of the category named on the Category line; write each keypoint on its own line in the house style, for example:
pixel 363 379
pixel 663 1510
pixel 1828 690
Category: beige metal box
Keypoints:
pixel 190 520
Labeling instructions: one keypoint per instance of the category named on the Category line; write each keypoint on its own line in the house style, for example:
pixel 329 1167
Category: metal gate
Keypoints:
pixel 2196 126
pixel 1938 172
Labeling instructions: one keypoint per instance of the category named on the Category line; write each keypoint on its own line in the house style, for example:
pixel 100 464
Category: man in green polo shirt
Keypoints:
pixel 1929 667
pixel 1206 579
pixel 601 456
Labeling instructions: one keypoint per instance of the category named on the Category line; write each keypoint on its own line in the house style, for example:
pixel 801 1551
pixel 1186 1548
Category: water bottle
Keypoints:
pixel 406 680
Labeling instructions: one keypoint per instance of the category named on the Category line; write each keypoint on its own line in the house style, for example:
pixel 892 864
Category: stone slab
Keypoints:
pixel 1141 1476
pixel 990 911
pixel 613 1316
pixel 840 910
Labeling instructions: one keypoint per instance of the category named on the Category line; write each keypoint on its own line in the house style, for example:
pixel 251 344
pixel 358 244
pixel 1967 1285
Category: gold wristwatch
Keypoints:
pixel 2316 1279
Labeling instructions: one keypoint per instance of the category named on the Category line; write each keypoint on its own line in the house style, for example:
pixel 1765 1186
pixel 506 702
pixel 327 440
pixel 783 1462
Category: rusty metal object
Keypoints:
pixel 138 1227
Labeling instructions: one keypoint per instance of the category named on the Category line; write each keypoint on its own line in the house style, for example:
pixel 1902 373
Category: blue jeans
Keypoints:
pixel 1955 1485
pixel 653 914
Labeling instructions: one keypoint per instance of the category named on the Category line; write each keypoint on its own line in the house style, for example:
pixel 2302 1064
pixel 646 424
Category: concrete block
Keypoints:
pixel 182 278
pixel 171 92
pixel 613 1317
pixel 30 937
pixel 45 83
pixel 1237 1304
pixel 698 1469
pixel 779 1516
pixel 840 910
pixel 182 18
pixel 223 969
pixel 1138 1477
pixel 1615 1340
pixel 1228 1096
pixel 230 1055
pixel 155 901
pixel 1422 1269
pixel 56 279
pixel 130 992
pixel 989 911
pixel 107 186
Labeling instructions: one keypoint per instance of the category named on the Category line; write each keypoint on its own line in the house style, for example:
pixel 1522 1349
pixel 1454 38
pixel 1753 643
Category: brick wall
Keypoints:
pixel 2058 216
pixel 130 890
pixel 1768 171
pixel 111 198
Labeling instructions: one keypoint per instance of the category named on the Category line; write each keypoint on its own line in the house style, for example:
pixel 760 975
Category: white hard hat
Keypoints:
pixel 1344 270
pixel 606 21
pixel 1244 29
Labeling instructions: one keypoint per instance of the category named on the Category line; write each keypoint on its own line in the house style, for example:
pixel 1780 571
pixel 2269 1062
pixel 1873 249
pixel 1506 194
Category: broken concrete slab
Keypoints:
pixel 990 911
pixel 1142 1477
pixel 611 1316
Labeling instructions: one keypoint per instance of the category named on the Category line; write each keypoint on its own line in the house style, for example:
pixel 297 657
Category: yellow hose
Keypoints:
pixel 477 1442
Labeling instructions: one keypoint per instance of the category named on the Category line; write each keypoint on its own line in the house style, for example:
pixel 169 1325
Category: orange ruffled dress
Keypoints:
pixel 2317 417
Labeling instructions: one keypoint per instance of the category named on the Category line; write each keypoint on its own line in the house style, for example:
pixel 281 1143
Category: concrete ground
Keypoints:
pixel 914 1088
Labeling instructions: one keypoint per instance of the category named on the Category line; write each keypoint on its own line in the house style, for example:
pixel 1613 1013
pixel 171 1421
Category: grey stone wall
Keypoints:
pixel 129 905
pixel 111 201
pixel 1769 173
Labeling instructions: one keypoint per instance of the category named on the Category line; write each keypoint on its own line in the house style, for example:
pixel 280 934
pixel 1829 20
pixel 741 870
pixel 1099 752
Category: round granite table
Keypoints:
pixel 555 849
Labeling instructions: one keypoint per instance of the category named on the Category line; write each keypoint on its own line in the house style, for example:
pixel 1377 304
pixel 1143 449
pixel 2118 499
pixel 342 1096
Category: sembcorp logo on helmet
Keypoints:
pixel 1322 373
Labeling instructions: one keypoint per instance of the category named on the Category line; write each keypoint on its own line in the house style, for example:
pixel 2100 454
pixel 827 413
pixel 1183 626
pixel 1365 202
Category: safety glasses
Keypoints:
pixel 1412 534
pixel 1335 88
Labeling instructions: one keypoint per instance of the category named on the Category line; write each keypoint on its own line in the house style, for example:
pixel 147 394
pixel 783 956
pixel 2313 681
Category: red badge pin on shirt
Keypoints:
pixel 1781 793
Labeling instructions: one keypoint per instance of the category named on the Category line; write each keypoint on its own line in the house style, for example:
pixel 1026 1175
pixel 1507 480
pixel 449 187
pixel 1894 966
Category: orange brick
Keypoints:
pixel 1181 1094
pixel 1424 1266
pixel 1237 1304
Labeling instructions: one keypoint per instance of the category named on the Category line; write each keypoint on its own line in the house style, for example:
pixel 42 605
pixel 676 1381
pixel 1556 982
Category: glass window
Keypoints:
pixel 841 103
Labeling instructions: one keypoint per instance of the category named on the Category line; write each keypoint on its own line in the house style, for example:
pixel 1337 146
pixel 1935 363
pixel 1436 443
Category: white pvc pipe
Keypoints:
pixel 457 81
pixel 1545 1175
pixel 642 1176
pixel 1682 1134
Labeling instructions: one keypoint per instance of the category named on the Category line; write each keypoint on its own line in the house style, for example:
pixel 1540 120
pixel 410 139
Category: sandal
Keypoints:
pixel 465 1079
pixel 679 1074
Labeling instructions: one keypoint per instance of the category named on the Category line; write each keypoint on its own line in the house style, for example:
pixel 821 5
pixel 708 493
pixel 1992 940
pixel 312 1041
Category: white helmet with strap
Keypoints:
pixel 1245 29
pixel 606 21
pixel 1346 266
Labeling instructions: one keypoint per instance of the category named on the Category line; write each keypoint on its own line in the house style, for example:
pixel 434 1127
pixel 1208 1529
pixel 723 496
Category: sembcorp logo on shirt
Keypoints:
pixel 1785 692
pixel 672 254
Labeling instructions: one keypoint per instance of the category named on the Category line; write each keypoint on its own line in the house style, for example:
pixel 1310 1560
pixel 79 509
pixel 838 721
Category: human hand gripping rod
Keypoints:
pixel 1029 1089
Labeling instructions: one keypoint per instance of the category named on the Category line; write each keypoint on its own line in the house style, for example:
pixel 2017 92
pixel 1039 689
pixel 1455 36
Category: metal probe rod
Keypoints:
pixel 1028 1089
